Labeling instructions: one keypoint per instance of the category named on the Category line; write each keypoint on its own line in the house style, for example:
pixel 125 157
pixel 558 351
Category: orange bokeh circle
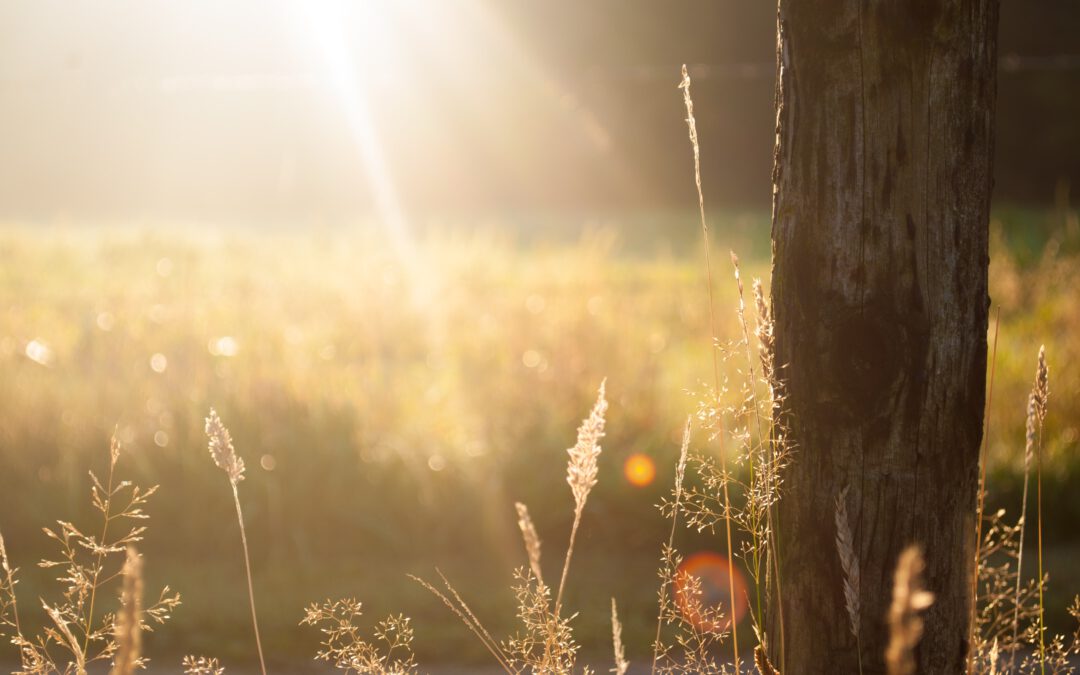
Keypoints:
pixel 639 469
pixel 711 609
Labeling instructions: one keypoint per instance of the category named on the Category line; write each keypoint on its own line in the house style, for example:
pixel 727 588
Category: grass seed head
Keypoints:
pixel 202 666
pixel 532 539
pixel 905 623
pixel 581 470
pixel 621 664
pixel 3 556
pixel 849 561
pixel 1040 392
pixel 684 452
pixel 221 448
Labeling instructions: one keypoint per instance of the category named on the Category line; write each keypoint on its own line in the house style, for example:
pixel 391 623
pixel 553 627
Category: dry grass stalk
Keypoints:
pixel 684 454
pixel 1074 612
pixel 764 332
pixel 128 629
pixel 224 455
pixel 691 124
pixel 1040 395
pixel 777 448
pixel 9 604
pixel 766 483
pixel 114 457
pixel 1036 414
pixel 75 637
pixel 581 474
pixel 997 616
pixel 701 627
pixel 1029 450
pixel 1041 389
pixel 344 645
pixel 532 539
pixel 546 645
pixel 761 660
pixel 63 635
pixel 680 474
pixel 581 469
pixel 201 665
pixel 905 623
pixel 462 611
pixel 849 562
pixel 707 505
pixel 221 448
pixel 973 638
pixel 621 664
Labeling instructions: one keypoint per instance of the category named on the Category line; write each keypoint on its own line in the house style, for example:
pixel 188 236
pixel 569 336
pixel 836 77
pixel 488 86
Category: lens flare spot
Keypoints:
pixel 531 358
pixel 158 363
pixel 106 321
pixel 535 304
pixel 39 352
pixel 703 584
pixel 639 469
pixel 225 345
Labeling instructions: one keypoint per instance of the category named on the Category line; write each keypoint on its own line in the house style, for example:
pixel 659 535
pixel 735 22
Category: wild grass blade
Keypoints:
pixel 691 124
pixel 224 455
pixel 972 646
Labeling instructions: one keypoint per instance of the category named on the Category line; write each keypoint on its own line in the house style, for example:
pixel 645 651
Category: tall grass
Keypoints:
pixel 680 475
pixel 545 642
pixel 224 455
pixel 76 635
pixel 691 124
pixel 980 508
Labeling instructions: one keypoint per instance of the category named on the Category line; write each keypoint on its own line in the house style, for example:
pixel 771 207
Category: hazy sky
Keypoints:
pixel 202 109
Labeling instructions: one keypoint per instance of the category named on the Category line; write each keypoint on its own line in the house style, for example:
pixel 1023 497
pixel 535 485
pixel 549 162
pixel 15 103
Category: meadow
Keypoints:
pixel 393 399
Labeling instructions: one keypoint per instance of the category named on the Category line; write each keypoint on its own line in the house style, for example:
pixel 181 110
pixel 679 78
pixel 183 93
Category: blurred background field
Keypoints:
pixel 391 410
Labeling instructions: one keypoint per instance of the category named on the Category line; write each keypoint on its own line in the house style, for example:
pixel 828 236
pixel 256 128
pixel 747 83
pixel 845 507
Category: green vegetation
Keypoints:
pixel 393 405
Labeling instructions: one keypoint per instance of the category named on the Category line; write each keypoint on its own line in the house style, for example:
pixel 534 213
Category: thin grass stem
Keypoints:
pixel 88 628
pixel 692 126
pixel 250 585
pixel 566 563
pixel 982 501
pixel 679 474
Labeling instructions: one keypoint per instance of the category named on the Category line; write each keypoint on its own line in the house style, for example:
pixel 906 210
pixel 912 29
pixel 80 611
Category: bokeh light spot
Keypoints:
pixel 158 363
pixel 39 352
pixel 268 463
pixel 595 305
pixel 639 469
pixel 106 321
pixel 535 304
pixel 223 346
pixel 703 591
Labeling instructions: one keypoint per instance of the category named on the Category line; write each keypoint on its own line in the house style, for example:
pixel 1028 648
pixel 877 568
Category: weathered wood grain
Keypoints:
pixel 882 181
